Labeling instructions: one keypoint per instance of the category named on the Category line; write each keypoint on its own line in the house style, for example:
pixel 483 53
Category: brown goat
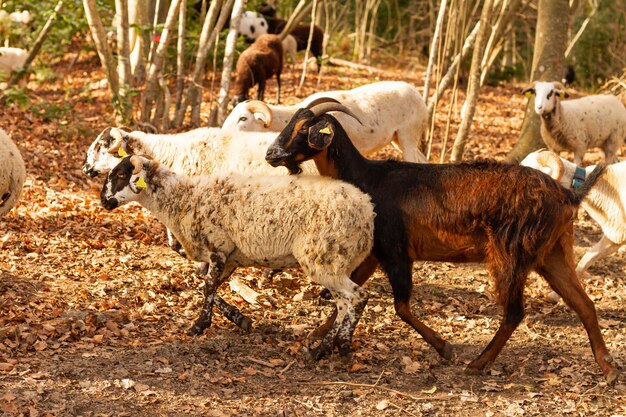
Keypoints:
pixel 299 32
pixel 258 63
pixel 514 219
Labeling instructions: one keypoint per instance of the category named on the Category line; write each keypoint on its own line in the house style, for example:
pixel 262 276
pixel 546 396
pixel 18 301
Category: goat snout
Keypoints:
pixel 110 203
pixel 88 170
pixel 275 156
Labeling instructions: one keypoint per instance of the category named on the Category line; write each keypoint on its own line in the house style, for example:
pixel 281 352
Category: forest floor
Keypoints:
pixel 94 308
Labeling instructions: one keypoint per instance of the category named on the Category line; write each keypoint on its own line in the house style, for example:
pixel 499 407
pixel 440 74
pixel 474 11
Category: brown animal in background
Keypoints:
pixel 257 64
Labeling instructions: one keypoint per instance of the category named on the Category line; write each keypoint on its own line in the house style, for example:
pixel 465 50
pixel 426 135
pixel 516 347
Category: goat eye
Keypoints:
pixel 243 118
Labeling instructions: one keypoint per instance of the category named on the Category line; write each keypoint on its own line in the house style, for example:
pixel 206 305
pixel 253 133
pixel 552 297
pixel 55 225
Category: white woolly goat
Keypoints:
pixel 391 111
pixel 605 203
pixel 11 59
pixel 576 125
pixel 199 151
pixel 12 173
pixel 226 221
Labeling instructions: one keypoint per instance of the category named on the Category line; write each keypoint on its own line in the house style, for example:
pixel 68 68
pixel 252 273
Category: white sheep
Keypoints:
pixel 323 225
pixel 605 203
pixel 12 173
pixel 391 111
pixel 200 151
pixel 11 59
pixel 579 124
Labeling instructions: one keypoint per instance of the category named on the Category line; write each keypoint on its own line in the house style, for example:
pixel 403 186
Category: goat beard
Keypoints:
pixel 293 167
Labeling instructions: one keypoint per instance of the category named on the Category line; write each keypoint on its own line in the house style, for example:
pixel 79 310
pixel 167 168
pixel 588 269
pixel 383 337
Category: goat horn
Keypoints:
pixel 326 107
pixel 321 100
pixel 136 163
pixel 551 160
pixel 257 106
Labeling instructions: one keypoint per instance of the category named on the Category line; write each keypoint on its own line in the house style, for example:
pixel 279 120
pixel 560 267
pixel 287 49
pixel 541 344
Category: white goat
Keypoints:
pixel 11 59
pixel 579 124
pixel 605 203
pixel 391 111
pixel 199 151
pixel 12 173
pixel 325 226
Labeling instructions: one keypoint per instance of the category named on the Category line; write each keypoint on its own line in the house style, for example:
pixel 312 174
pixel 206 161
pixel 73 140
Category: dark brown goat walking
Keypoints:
pixel 257 64
pixel 512 218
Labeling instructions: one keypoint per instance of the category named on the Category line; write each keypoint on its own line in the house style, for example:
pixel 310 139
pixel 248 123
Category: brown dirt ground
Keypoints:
pixel 94 306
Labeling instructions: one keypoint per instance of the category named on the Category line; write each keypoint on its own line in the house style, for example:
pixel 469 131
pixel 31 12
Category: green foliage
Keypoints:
pixel 16 95
pixel 70 22
pixel 599 54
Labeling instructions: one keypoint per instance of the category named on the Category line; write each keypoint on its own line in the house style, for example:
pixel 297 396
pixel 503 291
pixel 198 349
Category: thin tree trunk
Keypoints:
pixel 102 47
pixel 504 19
pixel 180 54
pixel 433 48
pixel 308 48
pixel 448 78
pixel 229 58
pixel 123 63
pixel 197 96
pixel 208 28
pixel 154 69
pixel 548 65
pixel 296 17
pixel 138 39
pixel 474 85
pixel 15 78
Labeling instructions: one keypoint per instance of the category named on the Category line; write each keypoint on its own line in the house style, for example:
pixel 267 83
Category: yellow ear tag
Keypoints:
pixel 326 131
pixel 141 184
pixel 527 94
pixel 562 95
pixel 121 152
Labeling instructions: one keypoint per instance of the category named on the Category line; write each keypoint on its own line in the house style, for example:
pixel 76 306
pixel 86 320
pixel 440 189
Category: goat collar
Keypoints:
pixel 579 177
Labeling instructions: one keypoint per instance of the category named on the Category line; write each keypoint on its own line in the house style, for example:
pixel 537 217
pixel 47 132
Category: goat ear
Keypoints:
pixel 321 135
pixel 528 92
pixel 562 94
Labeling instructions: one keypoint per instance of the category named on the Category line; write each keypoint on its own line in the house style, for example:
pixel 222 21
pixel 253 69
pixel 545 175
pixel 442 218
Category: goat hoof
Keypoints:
pixel 246 325
pixel 553 297
pixel 473 371
pixel 198 328
pixel 319 352
pixel 325 294
pixel 611 377
pixel 447 353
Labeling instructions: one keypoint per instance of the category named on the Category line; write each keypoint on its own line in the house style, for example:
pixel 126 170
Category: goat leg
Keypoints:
pixel 233 314
pixel 561 276
pixel 215 273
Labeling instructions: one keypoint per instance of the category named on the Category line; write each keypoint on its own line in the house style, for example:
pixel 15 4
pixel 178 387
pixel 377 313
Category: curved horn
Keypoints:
pixel 137 164
pixel 326 107
pixel 257 106
pixel 320 101
pixel 551 160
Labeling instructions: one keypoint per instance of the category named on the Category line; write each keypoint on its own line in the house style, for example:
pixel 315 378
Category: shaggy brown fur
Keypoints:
pixel 257 64
pixel 510 217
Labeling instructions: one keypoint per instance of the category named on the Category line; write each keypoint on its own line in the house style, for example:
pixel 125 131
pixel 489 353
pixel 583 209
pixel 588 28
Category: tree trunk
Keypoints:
pixel 229 58
pixel 433 48
pixel 197 96
pixel 139 39
pixel 308 48
pixel 548 65
pixel 123 63
pixel 474 85
pixel 154 70
pixel 208 29
pixel 102 47
pixel 180 54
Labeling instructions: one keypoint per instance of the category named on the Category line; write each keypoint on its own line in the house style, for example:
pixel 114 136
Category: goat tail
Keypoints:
pixel 582 191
